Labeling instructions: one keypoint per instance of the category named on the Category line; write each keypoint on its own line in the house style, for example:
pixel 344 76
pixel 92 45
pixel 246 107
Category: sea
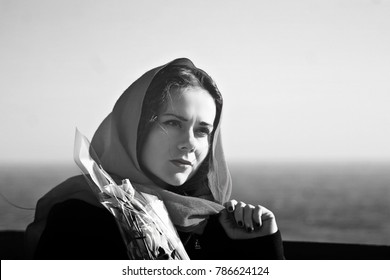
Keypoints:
pixel 321 202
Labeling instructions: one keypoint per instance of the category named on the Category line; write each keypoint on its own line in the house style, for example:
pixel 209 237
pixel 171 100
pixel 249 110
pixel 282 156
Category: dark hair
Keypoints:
pixel 167 80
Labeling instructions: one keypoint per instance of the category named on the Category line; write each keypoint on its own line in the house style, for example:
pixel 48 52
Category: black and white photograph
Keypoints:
pixel 195 130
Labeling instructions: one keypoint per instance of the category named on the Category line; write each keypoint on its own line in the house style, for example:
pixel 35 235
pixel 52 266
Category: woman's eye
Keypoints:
pixel 173 123
pixel 204 132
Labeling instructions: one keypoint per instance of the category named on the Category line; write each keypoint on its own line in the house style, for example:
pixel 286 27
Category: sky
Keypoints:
pixel 302 80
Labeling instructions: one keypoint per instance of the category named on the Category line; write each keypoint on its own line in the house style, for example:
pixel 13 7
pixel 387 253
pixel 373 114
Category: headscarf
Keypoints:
pixel 115 143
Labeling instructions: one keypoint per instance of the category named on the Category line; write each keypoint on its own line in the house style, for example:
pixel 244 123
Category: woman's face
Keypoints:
pixel 178 142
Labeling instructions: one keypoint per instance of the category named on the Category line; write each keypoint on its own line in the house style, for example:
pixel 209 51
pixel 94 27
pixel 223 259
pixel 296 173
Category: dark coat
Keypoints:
pixel 78 230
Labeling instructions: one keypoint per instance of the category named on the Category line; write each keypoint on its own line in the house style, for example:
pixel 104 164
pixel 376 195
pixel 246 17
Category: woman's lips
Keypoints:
pixel 181 163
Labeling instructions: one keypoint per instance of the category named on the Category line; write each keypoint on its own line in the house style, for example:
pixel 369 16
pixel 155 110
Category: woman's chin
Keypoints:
pixel 177 180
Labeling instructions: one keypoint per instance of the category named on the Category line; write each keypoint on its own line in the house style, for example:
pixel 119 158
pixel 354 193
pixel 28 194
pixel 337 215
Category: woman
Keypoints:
pixel 163 134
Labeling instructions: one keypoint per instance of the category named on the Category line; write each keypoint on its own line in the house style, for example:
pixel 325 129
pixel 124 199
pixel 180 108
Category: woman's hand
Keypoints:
pixel 245 221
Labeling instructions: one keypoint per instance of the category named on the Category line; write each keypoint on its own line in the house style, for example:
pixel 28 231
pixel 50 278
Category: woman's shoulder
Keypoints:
pixel 77 226
pixel 76 229
pixel 76 209
pixel 75 187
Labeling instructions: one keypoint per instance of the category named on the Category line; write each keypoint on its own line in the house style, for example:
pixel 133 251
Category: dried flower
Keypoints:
pixel 142 218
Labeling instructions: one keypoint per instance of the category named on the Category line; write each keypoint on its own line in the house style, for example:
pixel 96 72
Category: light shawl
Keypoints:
pixel 115 143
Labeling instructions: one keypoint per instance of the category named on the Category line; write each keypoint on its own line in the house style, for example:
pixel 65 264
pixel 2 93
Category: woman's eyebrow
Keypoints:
pixel 176 116
pixel 184 119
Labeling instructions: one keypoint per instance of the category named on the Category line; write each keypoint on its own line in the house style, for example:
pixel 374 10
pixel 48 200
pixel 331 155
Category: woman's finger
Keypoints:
pixel 257 213
pixel 231 205
pixel 248 217
pixel 239 213
pixel 266 214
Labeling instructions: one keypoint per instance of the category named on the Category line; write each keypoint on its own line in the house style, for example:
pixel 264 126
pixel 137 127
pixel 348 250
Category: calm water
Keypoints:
pixel 312 202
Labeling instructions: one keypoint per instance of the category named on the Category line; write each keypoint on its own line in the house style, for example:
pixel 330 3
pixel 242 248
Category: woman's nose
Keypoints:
pixel 187 141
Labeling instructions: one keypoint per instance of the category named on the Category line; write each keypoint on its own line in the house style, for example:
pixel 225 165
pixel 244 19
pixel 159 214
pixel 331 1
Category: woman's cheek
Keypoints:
pixel 203 150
